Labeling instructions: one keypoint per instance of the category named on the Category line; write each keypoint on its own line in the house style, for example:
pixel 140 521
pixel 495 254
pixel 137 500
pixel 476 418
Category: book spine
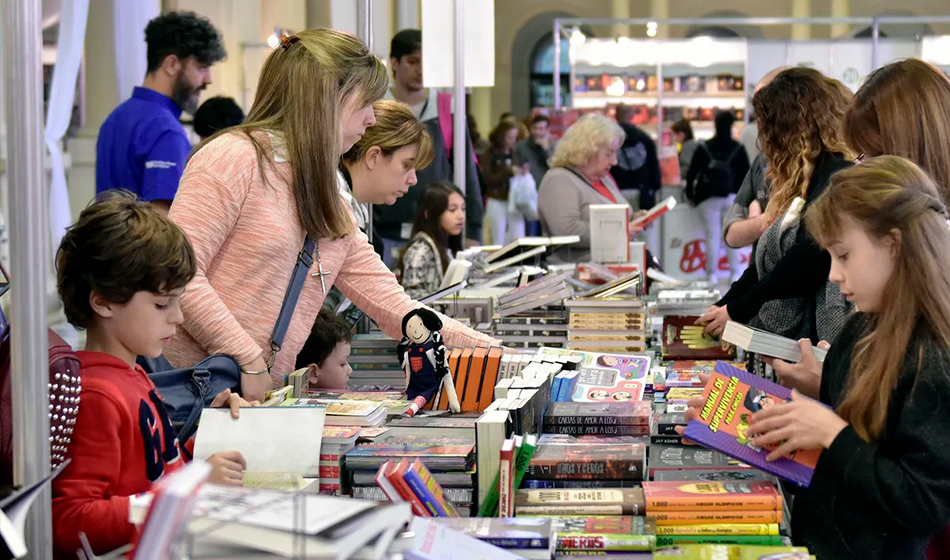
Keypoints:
pixel 606 509
pixel 597 430
pixel 760 540
pixel 490 504
pixel 418 487
pixel 382 480
pixel 434 488
pixel 678 503
pixel 397 480
pixel 657 439
pixel 631 469
pixel 523 460
pixel 667 428
pixel 505 484
pixel 596 420
pixel 518 543
pixel 719 529
pixel 606 542
pixel 717 517
pixel 578 484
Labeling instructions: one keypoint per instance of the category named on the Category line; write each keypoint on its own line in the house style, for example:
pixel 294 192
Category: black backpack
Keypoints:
pixel 717 179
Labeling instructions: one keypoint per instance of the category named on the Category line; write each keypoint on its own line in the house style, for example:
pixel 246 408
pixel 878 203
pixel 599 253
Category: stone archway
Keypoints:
pixel 721 31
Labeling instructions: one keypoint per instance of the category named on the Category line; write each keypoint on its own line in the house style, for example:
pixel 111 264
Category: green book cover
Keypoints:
pixel 673 540
pixel 490 506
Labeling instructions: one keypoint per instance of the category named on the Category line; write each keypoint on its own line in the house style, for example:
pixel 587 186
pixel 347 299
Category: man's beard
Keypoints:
pixel 185 96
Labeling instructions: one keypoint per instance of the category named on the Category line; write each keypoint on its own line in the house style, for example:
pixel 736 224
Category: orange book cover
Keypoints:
pixel 453 369
pixel 717 517
pixel 492 365
pixel 697 496
pixel 395 477
pixel 474 384
pixel 464 360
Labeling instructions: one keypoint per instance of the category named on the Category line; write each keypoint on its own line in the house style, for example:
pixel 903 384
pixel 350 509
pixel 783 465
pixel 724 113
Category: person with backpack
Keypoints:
pixel 715 175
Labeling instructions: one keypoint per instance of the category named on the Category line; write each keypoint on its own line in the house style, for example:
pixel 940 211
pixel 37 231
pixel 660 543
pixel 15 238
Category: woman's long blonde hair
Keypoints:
pixel 396 127
pixel 800 115
pixel 884 195
pixel 300 92
pixel 582 139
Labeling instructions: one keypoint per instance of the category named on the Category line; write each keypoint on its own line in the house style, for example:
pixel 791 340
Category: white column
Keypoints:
pixel 29 231
pixel 343 15
pixel 801 9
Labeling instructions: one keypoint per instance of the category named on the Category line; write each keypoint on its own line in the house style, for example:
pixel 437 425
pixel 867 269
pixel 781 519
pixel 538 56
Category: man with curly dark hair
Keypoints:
pixel 142 145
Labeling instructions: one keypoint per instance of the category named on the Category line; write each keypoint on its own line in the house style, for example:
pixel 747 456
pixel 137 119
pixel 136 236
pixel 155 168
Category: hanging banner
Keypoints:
pixel 438 43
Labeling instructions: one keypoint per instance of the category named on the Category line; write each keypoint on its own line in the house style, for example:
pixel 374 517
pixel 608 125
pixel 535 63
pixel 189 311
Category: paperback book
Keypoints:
pixel 620 461
pixel 683 339
pixel 581 502
pixel 731 397
pixel 605 533
pixel 608 377
pixel 715 496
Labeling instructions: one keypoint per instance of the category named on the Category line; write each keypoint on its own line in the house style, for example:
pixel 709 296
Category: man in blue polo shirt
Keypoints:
pixel 142 145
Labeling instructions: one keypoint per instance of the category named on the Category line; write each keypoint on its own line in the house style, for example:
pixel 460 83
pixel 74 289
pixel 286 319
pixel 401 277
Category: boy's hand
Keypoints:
pixel 232 400
pixel 715 320
pixel 227 468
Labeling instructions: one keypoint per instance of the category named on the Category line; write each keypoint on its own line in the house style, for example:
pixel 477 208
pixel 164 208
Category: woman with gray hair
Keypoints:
pixel 580 176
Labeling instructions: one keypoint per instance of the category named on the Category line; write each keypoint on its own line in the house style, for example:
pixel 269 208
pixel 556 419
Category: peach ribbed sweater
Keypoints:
pixel 246 235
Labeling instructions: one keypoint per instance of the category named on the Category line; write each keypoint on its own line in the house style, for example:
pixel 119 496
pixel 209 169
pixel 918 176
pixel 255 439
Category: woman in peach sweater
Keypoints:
pixel 250 196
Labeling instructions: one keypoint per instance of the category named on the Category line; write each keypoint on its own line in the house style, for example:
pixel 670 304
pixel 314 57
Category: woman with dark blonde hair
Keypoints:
pixel 253 194
pixel 786 287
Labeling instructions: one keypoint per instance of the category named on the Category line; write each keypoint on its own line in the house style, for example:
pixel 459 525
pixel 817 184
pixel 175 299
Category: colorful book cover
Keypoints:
pixel 340 432
pixel 700 496
pixel 731 397
pixel 629 413
pixel 358 409
pixel 682 394
pixel 719 529
pixel 590 461
pixel 733 552
pixel 682 379
pixel 382 480
pixel 517 533
pixel 421 480
pixel 683 339
pixel 715 475
pixel 605 533
pixel 717 517
pixel 628 501
pixel 402 487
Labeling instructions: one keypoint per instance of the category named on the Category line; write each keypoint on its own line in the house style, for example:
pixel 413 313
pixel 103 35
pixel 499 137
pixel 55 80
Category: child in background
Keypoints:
pixel 326 352
pixel 121 270
pixel 436 235
pixel 880 489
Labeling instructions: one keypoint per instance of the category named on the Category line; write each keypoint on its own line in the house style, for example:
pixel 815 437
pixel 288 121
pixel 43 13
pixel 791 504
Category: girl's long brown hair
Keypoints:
pixel 799 115
pixel 885 195
pixel 302 86
pixel 902 110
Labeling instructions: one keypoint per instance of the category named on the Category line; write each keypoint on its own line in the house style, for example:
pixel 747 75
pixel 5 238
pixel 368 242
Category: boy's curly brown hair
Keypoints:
pixel 800 115
pixel 119 246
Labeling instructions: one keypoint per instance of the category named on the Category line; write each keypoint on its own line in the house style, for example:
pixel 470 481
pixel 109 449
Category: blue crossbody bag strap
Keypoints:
pixel 297 279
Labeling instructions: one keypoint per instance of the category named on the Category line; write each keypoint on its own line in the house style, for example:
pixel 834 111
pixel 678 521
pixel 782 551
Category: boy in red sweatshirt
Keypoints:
pixel 121 270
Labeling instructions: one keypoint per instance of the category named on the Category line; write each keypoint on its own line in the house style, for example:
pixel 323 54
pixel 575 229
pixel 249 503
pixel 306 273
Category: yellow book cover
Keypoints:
pixel 719 529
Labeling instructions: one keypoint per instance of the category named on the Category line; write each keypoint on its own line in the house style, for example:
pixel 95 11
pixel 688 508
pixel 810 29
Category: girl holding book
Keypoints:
pixel 436 236
pixel 880 489
pixel 887 117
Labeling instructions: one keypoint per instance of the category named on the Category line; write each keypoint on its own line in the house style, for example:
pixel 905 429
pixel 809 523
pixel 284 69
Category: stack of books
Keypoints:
pixel 337 442
pixel 678 457
pixel 600 535
pixel 607 324
pixel 375 363
pixel 546 294
pixel 604 377
pixel 394 401
pixel 630 418
pixel 366 414
pixel 410 481
pixel 564 462
pixel 686 301
pixel 715 512
pixel 450 459
pixel 533 329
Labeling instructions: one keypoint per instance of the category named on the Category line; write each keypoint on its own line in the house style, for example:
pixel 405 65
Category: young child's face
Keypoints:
pixel 335 371
pixel 862 266
pixel 146 323
pixel 453 219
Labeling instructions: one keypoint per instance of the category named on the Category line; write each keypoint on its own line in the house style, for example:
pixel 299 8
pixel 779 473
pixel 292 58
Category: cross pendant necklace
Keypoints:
pixel 320 273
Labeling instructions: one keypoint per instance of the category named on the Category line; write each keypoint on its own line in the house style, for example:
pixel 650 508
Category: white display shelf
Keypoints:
pixel 595 100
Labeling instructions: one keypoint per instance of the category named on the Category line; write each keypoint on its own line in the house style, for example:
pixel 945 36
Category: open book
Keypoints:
pixel 281 445
pixel 15 508
pixel 769 344
pixel 655 212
